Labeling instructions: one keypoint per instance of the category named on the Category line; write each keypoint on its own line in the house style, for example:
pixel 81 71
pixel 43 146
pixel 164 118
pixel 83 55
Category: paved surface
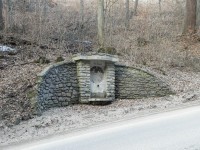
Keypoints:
pixel 176 130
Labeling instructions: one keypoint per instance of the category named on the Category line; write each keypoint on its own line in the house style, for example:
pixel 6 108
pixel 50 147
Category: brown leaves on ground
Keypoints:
pixel 18 76
pixel 14 84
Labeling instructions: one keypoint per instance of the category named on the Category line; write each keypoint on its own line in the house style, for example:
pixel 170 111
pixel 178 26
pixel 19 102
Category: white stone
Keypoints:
pixel 4 48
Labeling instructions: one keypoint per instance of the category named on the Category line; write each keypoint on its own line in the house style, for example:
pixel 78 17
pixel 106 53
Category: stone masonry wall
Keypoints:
pixel 131 83
pixel 110 80
pixel 68 83
pixel 83 75
pixel 58 86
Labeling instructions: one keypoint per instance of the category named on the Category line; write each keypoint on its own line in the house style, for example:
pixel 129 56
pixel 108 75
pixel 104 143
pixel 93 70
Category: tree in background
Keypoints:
pixel 82 11
pixel 160 6
pixel 127 21
pixel 8 14
pixel 135 7
pixel 190 17
pixel 198 17
pixel 101 22
pixel 1 16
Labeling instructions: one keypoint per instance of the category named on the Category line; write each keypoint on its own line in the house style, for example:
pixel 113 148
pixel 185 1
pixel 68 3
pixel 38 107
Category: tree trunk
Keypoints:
pixel 1 16
pixel 81 20
pixel 10 14
pixel 160 9
pixel 198 17
pixel 45 9
pixel 101 22
pixel 135 7
pixel 127 22
pixel 190 17
pixel 82 11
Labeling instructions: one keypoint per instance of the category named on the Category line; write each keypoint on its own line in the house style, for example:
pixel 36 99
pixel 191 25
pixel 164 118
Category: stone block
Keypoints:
pixel 65 103
pixel 69 94
pixel 61 99
pixel 75 92
pixel 50 102
pixel 55 101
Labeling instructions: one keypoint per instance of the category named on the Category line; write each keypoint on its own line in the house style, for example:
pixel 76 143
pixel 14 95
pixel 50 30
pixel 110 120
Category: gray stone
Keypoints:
pixel 50 102
pixel 55 101
pixel 61 99
pixel 69 94
pixel 61 85
pixel 65 103
pixel 69 84
pixel 75 92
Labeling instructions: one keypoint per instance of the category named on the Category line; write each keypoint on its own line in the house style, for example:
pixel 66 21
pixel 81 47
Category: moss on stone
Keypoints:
pixel 42 60
pixel 144 74
pixel 107 50
pixel 141 42
pixel 59 59
pixel 31 94
pixel 2 56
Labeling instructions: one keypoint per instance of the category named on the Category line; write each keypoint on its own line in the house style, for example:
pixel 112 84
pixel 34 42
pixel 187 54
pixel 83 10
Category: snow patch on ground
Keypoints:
pixel 4 48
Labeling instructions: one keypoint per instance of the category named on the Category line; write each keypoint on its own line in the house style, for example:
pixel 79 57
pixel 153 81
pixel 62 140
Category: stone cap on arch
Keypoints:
pixel 97 56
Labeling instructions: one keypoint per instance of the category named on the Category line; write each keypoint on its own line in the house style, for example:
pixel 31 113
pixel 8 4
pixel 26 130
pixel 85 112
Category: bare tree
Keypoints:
pixel 45 9
pixel 135 7
pixel 190 17
pixel 160 5
pixel 127 21
pixel 81 20
pixel 198 17
pixel 101 22
pixel 82 11
pixel 1 16
pixel 9 19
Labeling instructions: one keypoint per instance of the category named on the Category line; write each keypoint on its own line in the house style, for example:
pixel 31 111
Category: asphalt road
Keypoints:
pixel 176 130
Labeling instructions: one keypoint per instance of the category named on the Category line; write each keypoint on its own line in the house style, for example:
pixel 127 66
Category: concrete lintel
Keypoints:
pixel 97 57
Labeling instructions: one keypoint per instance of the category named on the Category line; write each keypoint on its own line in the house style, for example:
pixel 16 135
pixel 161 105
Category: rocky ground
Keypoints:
pixel 59 120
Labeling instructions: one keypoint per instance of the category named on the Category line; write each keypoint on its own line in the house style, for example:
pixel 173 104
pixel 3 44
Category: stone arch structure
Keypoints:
pixel 94 77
